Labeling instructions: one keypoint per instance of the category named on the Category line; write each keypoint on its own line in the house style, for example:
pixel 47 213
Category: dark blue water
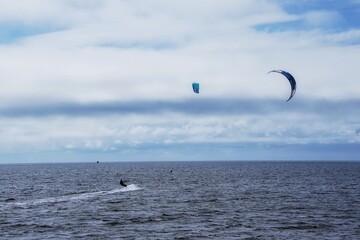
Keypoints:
pixel 197 200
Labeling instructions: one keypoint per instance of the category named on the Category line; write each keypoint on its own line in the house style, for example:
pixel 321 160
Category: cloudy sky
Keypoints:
pixel 110 80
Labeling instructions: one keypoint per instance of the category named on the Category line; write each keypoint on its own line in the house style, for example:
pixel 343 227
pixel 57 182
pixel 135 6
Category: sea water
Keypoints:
pixel 181 200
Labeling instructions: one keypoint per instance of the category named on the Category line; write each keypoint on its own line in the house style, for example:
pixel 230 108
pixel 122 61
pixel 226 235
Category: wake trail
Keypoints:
pixel 81 196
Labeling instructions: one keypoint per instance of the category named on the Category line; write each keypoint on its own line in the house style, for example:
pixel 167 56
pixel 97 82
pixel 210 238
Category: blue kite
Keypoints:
pixel 196 87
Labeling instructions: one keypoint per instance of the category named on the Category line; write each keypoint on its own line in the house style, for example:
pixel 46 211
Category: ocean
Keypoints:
pixel 181 200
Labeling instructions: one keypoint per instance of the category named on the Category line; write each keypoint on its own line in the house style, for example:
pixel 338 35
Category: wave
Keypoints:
pixel 65 198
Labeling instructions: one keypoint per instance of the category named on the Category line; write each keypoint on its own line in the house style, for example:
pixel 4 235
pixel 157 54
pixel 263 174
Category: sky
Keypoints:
pixel 110 80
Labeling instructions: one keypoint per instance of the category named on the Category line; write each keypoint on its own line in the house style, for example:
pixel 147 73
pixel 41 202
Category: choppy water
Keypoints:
pixel 197 200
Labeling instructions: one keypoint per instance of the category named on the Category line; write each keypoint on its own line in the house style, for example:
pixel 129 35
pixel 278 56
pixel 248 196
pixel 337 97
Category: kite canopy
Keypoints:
pixel 291 80
pixel 196 87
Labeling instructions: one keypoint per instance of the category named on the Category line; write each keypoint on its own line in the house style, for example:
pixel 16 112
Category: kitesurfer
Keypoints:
pixel 122 183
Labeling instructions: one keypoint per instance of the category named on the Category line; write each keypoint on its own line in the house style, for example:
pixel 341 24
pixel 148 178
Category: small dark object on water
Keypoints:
pixel 97 161
pixel 10 200
pixel 122 183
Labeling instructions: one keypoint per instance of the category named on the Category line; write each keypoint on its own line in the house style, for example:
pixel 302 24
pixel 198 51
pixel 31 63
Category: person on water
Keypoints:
pixel 122 183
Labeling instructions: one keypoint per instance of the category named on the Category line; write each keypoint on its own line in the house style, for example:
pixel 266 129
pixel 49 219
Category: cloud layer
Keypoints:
pixel 109 75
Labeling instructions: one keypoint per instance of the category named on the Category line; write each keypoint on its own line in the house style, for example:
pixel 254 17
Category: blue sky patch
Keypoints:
pixel 330 15
pixel 12 32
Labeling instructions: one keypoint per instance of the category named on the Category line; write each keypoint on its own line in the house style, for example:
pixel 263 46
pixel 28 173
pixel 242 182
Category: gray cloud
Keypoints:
pixel 231 126
pixel 190 106
pixel 215 152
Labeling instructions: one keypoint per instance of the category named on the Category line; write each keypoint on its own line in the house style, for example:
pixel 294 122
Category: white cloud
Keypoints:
pixel 142 50
pixel 109 133
pixel 49 12
pixel 351 37
pixel 323 18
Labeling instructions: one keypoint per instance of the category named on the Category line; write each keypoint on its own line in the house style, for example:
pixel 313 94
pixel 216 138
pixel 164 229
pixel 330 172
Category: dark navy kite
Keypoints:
pixel 291 80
